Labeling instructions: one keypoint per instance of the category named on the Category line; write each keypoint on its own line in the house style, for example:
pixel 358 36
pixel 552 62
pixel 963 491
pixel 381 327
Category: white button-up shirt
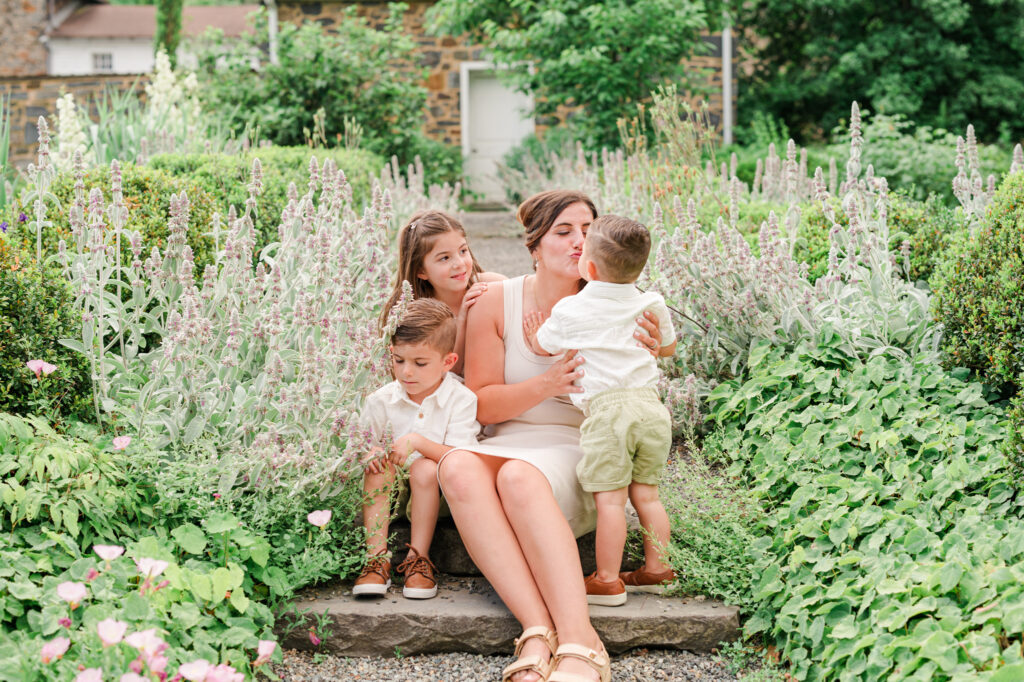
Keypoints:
pixel 447 416
pixel 599 322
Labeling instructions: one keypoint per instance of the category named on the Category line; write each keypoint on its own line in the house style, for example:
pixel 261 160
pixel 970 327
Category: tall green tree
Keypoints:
pixel 168 28
pixel 600 56
pixel 942 63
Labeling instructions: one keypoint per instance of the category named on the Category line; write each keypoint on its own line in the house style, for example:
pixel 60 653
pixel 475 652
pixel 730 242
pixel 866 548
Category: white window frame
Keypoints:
pixel 98 57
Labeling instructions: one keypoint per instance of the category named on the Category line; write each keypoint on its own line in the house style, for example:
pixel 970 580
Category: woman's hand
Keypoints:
pixel 648 336
pixel 561 376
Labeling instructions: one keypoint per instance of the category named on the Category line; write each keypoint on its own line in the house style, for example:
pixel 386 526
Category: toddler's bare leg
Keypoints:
pixel 377 508
pixel 611 532
pixel 654 519
pixel 425 501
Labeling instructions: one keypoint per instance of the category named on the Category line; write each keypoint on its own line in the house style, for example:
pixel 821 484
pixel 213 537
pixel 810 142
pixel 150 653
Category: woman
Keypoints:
pixel 515 499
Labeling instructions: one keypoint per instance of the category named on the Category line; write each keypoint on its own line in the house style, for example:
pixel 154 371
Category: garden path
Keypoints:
pixel 497 242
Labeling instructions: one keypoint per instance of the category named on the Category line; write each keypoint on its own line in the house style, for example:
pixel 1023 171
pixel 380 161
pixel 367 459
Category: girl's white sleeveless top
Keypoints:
pixel 548 434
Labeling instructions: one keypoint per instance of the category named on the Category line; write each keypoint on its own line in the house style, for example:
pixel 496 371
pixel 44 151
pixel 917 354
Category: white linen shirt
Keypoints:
pixel 447 416
pixel 599 322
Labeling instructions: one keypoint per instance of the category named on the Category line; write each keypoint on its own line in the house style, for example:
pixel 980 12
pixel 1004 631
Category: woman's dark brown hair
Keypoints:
pixel 538 213
pixel 415 240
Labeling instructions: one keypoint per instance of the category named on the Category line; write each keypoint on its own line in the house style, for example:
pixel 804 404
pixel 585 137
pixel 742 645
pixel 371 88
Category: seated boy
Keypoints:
pixel 627 433
pixel 429 412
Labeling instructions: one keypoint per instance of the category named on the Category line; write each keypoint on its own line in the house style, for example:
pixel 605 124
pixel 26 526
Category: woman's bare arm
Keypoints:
pixel 485 366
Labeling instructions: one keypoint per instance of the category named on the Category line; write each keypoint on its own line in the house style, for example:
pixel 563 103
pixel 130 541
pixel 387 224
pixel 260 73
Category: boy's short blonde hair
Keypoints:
pixel 429 321
pixel 618 247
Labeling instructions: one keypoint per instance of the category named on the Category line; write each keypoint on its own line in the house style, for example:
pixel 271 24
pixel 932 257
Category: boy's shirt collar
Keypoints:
pixel 440 395
pixel 613 290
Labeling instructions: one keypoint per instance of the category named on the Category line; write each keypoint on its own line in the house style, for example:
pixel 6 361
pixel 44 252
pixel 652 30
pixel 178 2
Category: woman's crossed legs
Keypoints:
pixel 516 535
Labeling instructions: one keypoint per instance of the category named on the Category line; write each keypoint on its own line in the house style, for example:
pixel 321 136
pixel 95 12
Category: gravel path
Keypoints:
pixel 638 666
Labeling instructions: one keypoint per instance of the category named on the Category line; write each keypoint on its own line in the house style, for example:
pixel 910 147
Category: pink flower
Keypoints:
pixel 133 677
pixel 313 638
pixel 319 518
pixel 151 568
pixel 111 631
pixel 264 651
pixel 146 642
pixel 90 675
pixel 55 649
pixel 108 552
pixel 92 575
pixel 195 671
pixel 136 666
pixel 157 663
pixel 64 622
pixel 72 593
pixel 224 673
pixel 41 367
pixel 121 442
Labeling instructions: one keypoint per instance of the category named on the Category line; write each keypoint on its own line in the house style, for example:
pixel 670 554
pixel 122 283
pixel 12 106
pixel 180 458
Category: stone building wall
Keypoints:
pixel 35 96
pixel 22 22
pixel 442 56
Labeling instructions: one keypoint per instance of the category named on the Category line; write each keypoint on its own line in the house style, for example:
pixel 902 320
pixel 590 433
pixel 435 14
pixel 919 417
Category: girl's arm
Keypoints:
pixel 485 367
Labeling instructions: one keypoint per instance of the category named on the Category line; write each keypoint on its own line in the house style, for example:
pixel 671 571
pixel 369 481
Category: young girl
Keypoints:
pixel 434 257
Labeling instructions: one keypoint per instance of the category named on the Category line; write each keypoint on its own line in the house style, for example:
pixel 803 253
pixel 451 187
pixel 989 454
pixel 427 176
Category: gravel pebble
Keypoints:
pixel 638 666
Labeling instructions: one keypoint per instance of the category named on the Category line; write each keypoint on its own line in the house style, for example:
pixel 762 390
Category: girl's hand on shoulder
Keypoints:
pixel 648 336
pixel 472 294
pixel 561 376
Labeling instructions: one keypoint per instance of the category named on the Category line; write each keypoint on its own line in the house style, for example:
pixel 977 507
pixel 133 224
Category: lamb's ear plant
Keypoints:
pixel 410 193
pixel 269 361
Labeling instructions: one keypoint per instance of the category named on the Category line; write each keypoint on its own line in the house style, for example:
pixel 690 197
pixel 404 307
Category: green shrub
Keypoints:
pixel 979 292
pixel 224 178
pixel 714 521
pixel 147 195
pixel 1014 447
pixel 894 544
pixel 929 226
pixel 36 311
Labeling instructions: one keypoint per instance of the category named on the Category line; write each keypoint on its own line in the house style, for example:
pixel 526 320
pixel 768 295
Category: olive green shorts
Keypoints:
pixel 625 438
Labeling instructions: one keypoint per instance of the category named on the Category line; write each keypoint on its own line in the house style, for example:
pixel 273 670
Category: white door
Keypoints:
pixel 494 120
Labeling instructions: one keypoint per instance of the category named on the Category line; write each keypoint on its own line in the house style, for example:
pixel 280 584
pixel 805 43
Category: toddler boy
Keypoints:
pixel 429 412
pixel 627 433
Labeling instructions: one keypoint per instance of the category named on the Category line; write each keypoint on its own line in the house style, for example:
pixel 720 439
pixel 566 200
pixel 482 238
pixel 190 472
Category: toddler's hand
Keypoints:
pixel 532 322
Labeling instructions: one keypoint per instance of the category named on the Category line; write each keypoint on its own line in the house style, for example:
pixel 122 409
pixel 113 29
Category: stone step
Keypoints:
pixel 468 616
pixel 450 556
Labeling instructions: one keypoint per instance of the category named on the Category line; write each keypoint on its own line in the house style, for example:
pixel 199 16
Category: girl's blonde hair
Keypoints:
pixel 415 240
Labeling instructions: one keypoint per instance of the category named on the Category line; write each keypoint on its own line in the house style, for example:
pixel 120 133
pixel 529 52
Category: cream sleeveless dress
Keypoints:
pixel 546 435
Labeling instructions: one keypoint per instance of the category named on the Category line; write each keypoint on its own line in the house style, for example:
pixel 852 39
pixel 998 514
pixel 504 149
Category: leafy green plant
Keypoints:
pixel 895 544
pixel 600 58
pixel 979 294
pixel 359 74
pixel 223 177
pixel 1014 447
pixel 37 311
pixel 714 522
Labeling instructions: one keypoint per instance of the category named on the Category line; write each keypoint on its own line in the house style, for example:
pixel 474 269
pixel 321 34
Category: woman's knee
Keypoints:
pixel 461 474
pixel 519 481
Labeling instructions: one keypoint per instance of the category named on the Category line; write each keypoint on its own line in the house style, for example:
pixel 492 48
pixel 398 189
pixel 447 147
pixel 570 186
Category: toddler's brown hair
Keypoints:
pixel 429 321
pixel 619 247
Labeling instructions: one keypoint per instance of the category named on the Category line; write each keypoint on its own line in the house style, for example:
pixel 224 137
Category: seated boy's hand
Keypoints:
pixel 402 448
pixel 375 461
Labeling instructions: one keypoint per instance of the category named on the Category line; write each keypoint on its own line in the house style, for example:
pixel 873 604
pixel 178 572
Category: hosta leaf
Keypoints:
pixel 190 538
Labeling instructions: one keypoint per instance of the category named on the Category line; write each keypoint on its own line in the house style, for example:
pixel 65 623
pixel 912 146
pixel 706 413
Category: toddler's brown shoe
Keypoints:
pixel 642 580
pixel 600 593
pixel 375 578
pixel 419 576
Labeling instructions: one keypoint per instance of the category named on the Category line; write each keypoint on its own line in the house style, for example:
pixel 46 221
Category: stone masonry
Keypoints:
pixel 442 55
pixel 35 96
pixel 22 23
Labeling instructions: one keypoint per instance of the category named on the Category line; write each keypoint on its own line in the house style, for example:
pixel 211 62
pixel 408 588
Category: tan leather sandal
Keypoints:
pixel 532 662
pixel 598 660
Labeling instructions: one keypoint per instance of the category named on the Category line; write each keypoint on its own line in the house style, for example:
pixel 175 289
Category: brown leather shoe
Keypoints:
pixel 419 576
pixel 375 578
pixel 604 594
pixel 642 580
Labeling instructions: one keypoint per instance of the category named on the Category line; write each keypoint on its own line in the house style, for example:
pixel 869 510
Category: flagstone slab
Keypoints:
pixel 468 616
